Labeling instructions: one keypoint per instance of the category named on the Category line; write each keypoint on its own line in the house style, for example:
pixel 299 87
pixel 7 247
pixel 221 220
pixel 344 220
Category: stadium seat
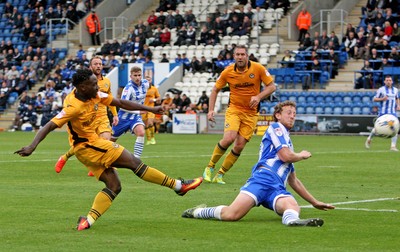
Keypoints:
pixel 301 110
pixel 347 109
pixel 356 110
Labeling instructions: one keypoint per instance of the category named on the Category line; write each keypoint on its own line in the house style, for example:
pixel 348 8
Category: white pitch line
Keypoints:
pixel 366 209
pixel 355 202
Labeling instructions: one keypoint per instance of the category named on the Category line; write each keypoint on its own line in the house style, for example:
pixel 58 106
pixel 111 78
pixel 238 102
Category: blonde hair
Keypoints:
pixel 278 107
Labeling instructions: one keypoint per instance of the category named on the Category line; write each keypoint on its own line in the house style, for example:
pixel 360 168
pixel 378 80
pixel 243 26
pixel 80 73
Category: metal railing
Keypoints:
pixel 329 20
pixel 51 28
pixel 113 27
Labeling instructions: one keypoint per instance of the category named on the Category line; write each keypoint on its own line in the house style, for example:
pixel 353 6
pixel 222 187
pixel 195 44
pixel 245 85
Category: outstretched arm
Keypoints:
pixel 301 190
pixel 42 133
pixel 128 105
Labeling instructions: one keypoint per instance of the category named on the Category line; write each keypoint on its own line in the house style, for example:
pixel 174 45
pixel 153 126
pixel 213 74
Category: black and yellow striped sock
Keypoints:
pixel 230 159
pixel 69 153
pixel 218 152
pixel 153 175
pixel 148 134
pixel 101 203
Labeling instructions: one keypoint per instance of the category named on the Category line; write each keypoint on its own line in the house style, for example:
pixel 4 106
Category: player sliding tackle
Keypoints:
pixel 98 154
pixel 267 184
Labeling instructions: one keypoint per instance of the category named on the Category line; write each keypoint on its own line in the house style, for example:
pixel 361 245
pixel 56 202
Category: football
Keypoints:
pixel 387 126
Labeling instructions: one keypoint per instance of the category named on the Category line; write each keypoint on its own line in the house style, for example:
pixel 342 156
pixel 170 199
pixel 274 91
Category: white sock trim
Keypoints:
pixel 289 215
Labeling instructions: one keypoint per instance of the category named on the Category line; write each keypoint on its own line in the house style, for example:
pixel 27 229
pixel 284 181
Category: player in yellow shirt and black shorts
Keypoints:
pixel 244 79
pixel 102 123
pixel 98 154
pixel 152 97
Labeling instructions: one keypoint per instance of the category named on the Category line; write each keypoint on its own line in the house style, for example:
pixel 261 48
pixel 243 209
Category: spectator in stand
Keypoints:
pixel 137 46
pixel 72 15
pixel 191 36
pixel 203 36
pixel 81 9
pixel 287 60
pixel 364 81
pixel 306 43
pixel 375 59
pixel 164 58
pixel 335 40
pixel 189 17
pixel 4 94
pixel 182 33
pixel 179 20
pixel 170 20
pixel 303 23
pixel 94 27
pixel 213 38
pixel 333 68
pixel 186 104
pixel 370 16
pixel 176 104
pixel 396 33
pixel 165 37
pixel 388 17
pixel 105 49
pixel 388 29
pixel 115 47
pixel 161 19
pixel 395 57
pixel 152 19
pixel 284 4
pixel 219 26
pixel 147 51
pixel 379 20
pixel 194 65
pixel 359 48
pixel 204 65
pixel 349 44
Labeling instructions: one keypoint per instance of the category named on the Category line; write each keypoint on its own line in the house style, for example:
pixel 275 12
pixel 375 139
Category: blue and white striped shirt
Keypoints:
pixel 135 93
pixel 275 138
pixel 388 106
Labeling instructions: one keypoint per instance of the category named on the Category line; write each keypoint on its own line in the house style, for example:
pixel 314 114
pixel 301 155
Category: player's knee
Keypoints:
pixel 115 187
pixel 231 215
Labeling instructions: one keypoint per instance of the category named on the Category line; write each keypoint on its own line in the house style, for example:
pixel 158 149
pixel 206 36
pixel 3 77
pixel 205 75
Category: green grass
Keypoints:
pixel 39 208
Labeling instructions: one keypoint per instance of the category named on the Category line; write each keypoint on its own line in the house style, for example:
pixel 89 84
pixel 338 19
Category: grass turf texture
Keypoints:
pixel 39 208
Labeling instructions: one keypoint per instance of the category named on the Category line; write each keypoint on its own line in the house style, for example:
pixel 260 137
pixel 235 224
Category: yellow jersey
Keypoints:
pixel 152 93
pixel 244 85
pixel 80 116
pixel 105 87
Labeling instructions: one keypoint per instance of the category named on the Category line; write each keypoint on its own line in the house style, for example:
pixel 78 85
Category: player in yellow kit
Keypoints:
pixel 152 97
pixel 96 153
pixel 244 79
pixel 102 123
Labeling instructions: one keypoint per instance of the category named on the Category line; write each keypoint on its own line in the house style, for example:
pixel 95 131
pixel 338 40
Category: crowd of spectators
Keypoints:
pixel 375 41
pixel 27 60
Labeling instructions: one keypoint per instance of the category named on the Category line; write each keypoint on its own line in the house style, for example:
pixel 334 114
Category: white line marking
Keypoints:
pixel 366 209
pixel 360 201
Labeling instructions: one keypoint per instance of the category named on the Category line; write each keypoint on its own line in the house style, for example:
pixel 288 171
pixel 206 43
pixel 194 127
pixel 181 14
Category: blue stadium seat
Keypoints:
pixel 301 110
pixel 347 98
pixel 338 110
pixel 310 109
pixel 319 109
pixel 328 109
pixel 347 109
pixel 365 110
pixel 356 110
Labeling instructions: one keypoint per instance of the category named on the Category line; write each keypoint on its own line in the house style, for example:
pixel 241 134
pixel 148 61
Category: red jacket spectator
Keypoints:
pixel 152 19
pixel 165 37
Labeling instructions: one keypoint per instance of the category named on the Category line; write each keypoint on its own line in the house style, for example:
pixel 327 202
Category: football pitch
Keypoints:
pixel 39 208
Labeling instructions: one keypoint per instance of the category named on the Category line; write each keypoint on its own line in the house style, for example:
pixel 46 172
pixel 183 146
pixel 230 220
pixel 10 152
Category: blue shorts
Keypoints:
pixel 125 125
pixel 265 188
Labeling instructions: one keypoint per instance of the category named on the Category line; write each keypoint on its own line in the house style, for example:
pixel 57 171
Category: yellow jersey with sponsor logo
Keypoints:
pixel 244 85
pixel 80 116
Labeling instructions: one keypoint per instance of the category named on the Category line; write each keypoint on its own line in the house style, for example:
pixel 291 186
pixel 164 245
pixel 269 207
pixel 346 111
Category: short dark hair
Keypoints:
pixel 81 76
